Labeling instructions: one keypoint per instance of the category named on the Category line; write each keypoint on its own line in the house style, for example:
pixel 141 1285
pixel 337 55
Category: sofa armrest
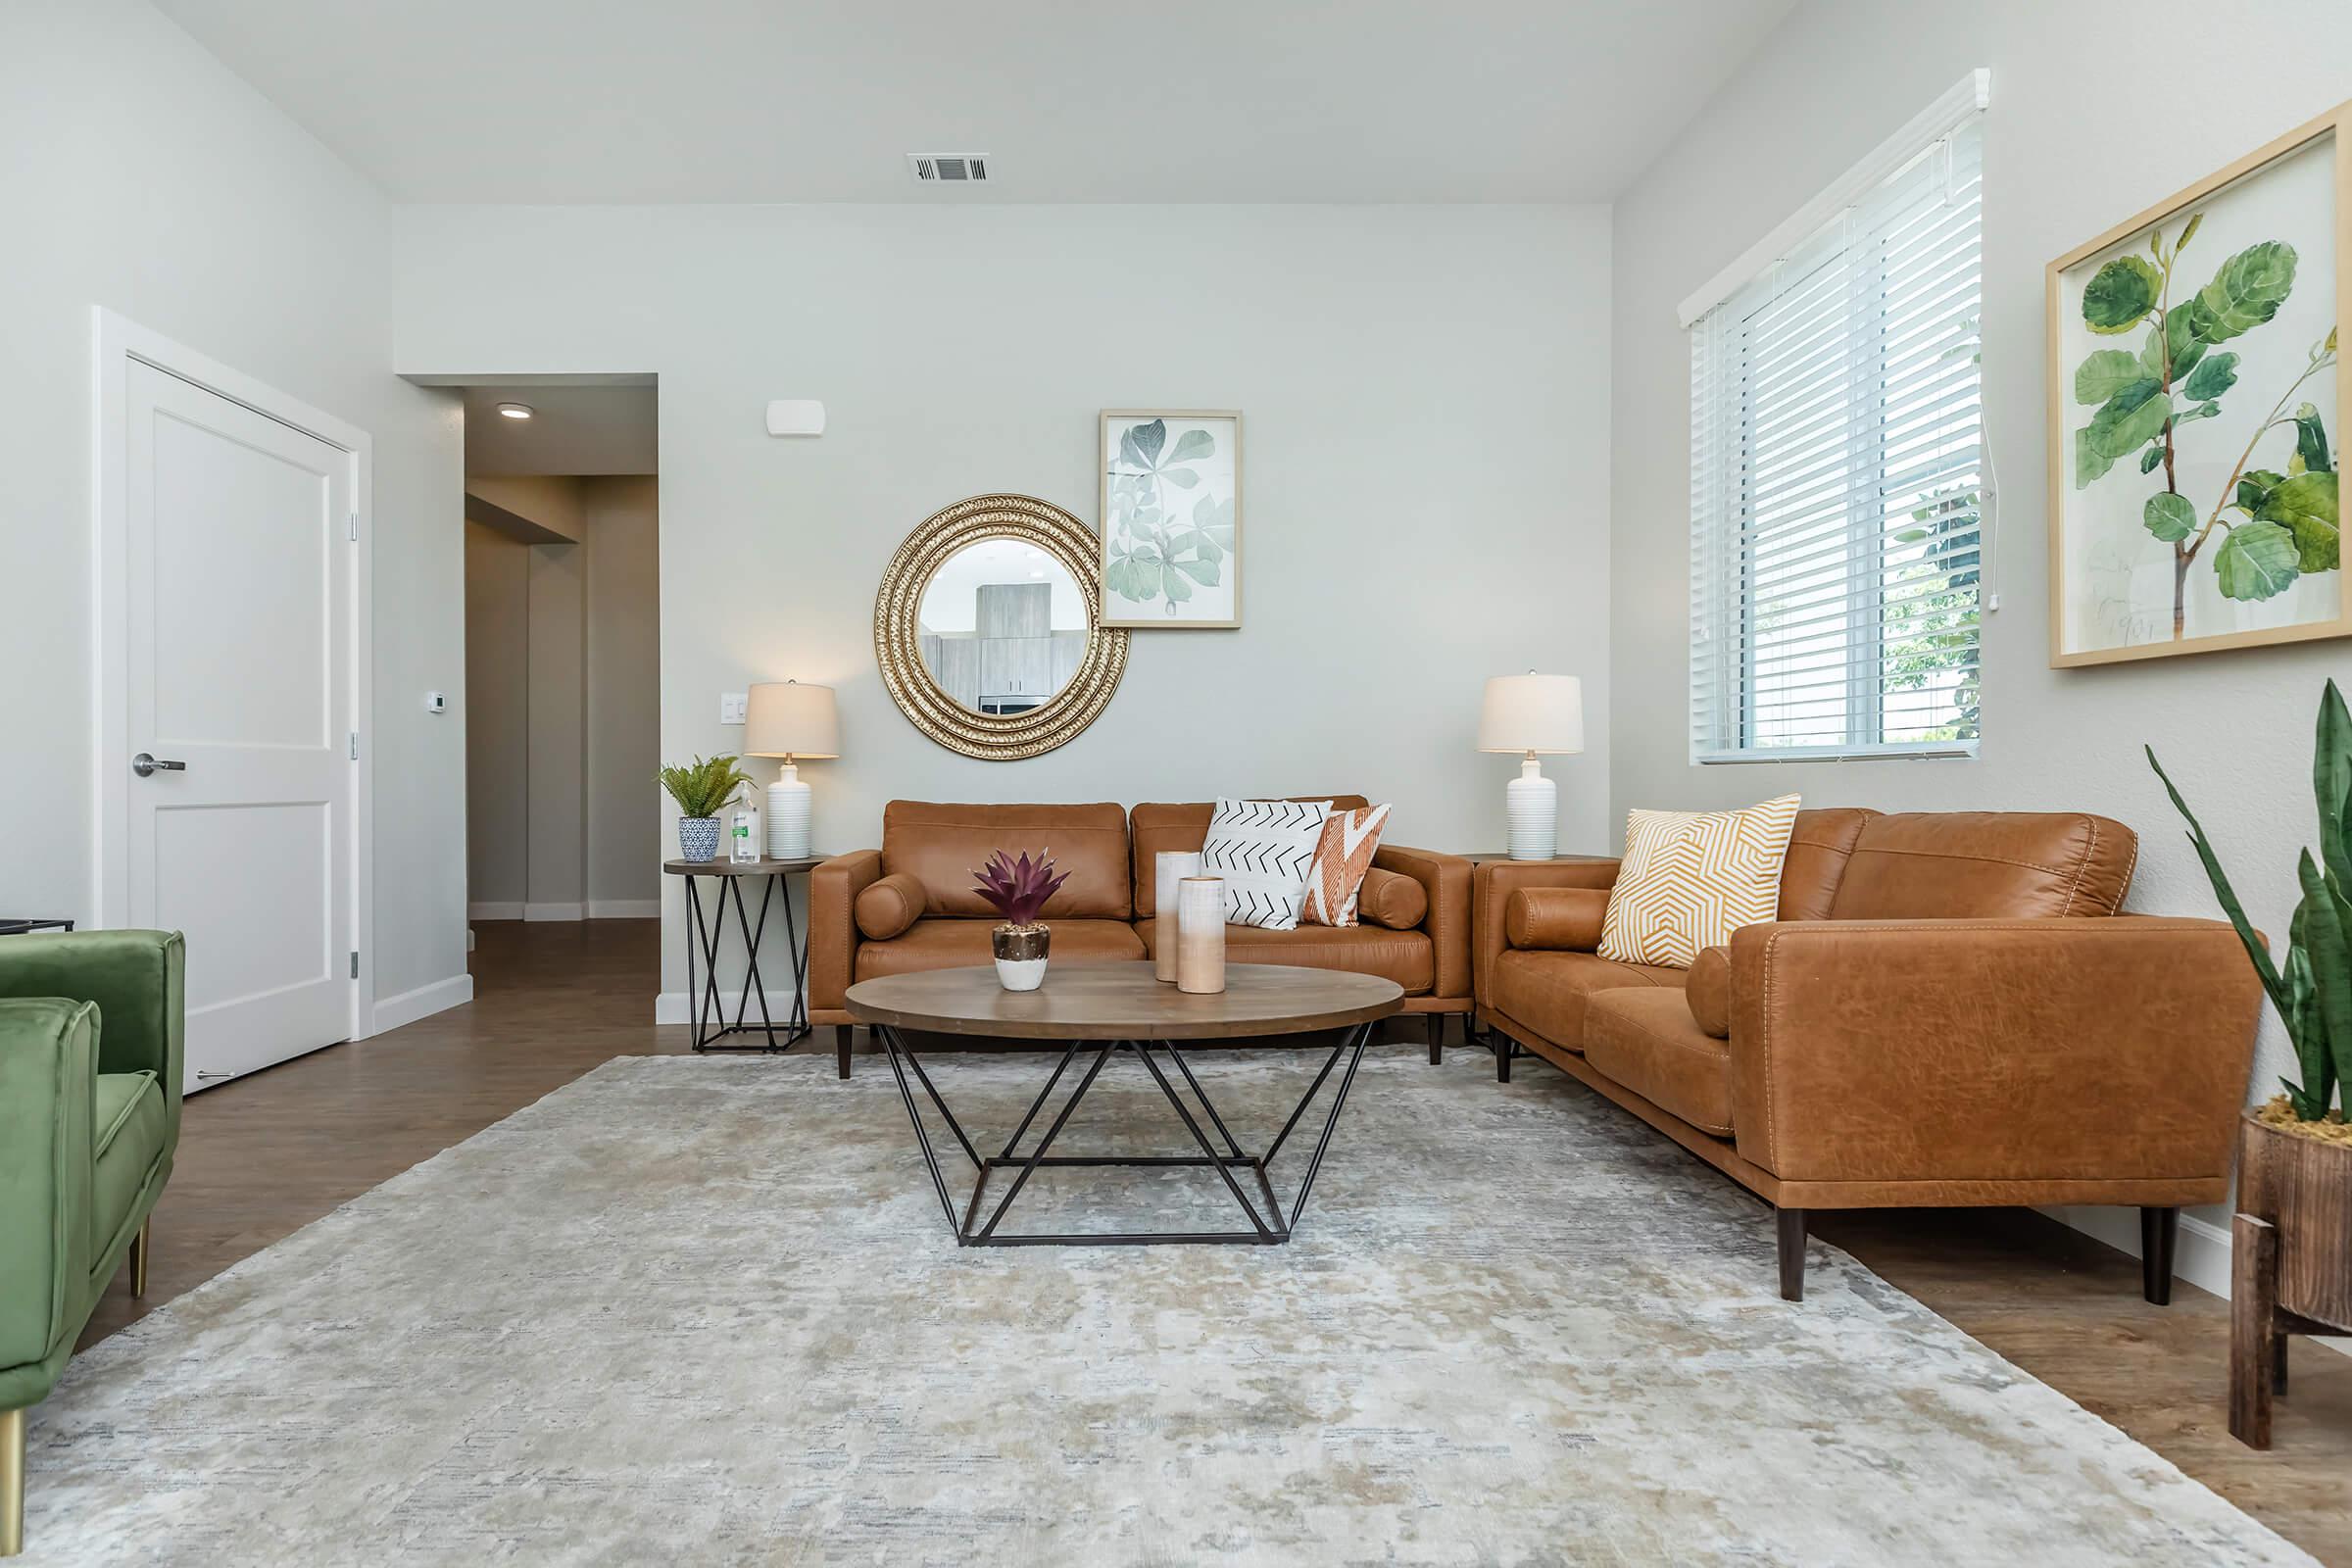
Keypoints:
pixel 1446 879
pixel 1492 888
pixel 833 889
pixel 139 981
pixel 48 1087
pixel 1893 1050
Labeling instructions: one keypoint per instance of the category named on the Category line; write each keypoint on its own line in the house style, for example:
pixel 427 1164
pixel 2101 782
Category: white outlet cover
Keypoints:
pixel 732 706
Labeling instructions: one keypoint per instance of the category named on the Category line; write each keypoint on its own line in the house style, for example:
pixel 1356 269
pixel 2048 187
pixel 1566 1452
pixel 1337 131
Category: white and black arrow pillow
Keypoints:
pixel 1264 850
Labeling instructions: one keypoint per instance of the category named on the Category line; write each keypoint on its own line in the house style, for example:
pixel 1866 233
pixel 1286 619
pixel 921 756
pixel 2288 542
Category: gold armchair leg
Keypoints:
pixel 11 1483
pixel 138 1258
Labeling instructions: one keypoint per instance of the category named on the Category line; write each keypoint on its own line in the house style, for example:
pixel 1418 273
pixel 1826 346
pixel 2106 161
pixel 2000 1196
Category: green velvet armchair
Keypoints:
pixel 90 1052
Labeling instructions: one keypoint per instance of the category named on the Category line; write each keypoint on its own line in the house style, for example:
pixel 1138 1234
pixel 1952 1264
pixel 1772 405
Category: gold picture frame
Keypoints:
pixel 1193 462
pixel 993 737
pixel 2106 605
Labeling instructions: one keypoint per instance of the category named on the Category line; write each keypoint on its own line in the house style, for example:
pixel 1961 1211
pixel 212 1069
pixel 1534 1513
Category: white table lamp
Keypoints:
pixel 795 723
pixel 1531 713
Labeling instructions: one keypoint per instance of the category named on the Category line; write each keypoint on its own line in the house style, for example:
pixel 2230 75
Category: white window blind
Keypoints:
pixel 1837 479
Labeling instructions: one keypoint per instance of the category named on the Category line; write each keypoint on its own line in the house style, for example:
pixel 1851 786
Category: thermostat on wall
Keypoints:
pixel 796 417
pixel 436 702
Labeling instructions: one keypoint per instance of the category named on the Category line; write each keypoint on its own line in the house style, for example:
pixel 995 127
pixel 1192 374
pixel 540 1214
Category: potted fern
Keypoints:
pixel 1018 890
pixel 2294 1154
pixel 702 789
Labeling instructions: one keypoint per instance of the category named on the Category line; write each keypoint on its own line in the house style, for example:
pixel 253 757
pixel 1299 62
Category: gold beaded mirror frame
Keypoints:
pixel 898 634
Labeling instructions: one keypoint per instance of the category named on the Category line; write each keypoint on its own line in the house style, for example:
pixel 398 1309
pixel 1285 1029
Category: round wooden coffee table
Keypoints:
pixel 1101 1009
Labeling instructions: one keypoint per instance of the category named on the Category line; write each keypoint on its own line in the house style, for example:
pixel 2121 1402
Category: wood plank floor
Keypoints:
pixel 265 1155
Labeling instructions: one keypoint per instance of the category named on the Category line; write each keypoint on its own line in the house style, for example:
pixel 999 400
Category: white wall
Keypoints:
pixel 623 743
pixel 1425 397
pixel 2077 140
pixel 142 176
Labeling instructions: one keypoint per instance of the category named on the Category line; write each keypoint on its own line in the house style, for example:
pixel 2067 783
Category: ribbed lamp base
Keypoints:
pixel 1531 805
pixel 788 816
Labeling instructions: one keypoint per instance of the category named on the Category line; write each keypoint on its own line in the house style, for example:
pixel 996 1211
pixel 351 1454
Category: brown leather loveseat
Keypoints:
pixel 1950 1011
pixel 910 904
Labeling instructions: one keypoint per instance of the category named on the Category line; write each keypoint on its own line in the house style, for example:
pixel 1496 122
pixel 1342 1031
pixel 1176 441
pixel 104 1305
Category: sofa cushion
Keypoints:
pixel 1708 987
pixel 1547 991
pixel 1646 1040
pixel 1262 851
pixel 1405 956
pixel 935 943
pixel 1392 900
pixel 1555 919
pixel 940 845
pixel 129 1129
pixel 886 908
pixel 1691 878
pixel 1987 865
pixel 1343 857
pixel 1819 846
pixel 1182 826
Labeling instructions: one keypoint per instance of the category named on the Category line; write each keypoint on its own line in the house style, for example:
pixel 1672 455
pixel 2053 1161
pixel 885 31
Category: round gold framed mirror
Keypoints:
pixel 989 628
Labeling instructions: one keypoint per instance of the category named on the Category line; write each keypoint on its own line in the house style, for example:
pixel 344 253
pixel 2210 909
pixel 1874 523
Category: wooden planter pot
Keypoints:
pixel 2290 1262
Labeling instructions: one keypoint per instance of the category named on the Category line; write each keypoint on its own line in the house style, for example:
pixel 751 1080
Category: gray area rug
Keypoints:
pixel 700 1310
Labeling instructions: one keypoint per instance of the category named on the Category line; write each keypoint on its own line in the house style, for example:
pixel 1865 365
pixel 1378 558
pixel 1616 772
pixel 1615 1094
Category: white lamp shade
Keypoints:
pixel 1532 712
pixel 789 719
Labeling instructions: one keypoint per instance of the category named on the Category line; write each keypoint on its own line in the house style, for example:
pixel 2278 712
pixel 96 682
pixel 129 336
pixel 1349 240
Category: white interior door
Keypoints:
pixel 237 684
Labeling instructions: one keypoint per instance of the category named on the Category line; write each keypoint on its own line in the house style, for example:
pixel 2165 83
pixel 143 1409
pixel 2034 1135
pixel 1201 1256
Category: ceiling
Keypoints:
pixel 572 429
pixel 821 100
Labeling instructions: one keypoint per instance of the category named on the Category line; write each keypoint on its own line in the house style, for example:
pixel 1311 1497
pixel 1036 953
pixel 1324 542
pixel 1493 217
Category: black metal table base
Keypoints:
pixel 708 1005
pixel 1239 1169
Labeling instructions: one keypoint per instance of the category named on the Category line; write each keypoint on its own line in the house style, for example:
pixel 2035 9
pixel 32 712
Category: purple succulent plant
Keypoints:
pixel 1018 889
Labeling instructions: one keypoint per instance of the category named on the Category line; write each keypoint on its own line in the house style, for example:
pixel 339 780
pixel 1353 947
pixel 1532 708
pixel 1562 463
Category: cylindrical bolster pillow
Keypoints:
pixel 1555 919
pixel 887 908
pixel 1708 987
pixel 1391 898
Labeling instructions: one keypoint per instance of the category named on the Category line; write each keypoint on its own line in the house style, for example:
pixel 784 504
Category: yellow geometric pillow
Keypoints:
pixel 1689 879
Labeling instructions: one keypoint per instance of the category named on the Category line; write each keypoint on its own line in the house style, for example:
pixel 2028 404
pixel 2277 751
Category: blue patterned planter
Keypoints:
pixel 698 838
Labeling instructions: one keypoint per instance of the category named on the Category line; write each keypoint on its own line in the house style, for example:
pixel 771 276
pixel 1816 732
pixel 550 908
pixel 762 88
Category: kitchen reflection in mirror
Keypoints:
pixel 1001 626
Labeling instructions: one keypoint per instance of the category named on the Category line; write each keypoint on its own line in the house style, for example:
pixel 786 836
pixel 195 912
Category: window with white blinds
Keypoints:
pixel 1837 479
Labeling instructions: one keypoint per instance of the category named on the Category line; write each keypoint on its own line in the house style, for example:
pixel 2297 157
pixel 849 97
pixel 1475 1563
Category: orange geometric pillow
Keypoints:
pixel 1343 856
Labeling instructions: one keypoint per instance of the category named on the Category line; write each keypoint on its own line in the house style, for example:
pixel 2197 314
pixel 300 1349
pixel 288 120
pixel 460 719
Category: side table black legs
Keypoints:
pixel 705 934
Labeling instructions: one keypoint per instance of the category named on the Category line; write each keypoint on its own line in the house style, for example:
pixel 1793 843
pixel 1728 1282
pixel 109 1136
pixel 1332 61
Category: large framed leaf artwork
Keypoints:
pixel 2196 413
pixel 1171 518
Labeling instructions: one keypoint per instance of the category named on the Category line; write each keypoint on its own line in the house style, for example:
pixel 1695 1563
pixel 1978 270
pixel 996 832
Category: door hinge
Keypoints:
pixel 354 964
pixel 355 745
pixel 354 521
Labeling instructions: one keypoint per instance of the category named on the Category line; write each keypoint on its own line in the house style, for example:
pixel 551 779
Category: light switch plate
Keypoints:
pixel 731 707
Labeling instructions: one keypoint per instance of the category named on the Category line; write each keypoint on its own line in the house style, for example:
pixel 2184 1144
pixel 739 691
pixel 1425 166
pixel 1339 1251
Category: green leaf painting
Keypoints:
pixel 1168 524
pixel 2268 526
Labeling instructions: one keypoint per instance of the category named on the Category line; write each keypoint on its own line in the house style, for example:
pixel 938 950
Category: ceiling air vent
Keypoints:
pixel 948 169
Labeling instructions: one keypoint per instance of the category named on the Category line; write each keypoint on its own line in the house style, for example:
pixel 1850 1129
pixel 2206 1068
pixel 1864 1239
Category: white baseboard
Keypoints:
pixel 625 908
pixel 422 1003
pixel 669 1006
pixel 551 912
pixel 495 910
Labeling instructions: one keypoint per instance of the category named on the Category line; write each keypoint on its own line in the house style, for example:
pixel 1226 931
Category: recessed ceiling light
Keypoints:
pixel 516 410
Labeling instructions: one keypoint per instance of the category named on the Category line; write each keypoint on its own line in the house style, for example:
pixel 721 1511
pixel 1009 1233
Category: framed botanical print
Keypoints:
pixel 1171 518
pixel 2197 398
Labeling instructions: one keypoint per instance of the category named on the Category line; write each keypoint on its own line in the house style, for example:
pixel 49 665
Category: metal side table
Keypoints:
pixel 708 929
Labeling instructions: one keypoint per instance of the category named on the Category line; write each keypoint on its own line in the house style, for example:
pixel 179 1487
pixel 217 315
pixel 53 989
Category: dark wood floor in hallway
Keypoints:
pixel 265 1155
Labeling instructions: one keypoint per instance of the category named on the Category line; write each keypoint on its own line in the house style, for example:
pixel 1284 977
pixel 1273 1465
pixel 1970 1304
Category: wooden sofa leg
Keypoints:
pixel 1503 1046
pixel 2254 1359
pixel 138 1257
pixel 1791 1224
pixel 841 1049
pixel 11 1483
pixel 1437 1038
pixel 2159 1231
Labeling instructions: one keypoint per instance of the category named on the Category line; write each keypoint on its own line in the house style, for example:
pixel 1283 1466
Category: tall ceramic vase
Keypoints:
pixel 1169 869
pixel 1201 934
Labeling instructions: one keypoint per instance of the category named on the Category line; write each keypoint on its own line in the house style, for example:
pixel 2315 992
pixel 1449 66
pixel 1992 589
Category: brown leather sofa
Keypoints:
pixel 1950 1011
pixel 910 904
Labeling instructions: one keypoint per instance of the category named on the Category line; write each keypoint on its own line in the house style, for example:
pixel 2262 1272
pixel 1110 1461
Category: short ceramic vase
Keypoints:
pixel 698 838
pixel 1020 951
pixel 1169 869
